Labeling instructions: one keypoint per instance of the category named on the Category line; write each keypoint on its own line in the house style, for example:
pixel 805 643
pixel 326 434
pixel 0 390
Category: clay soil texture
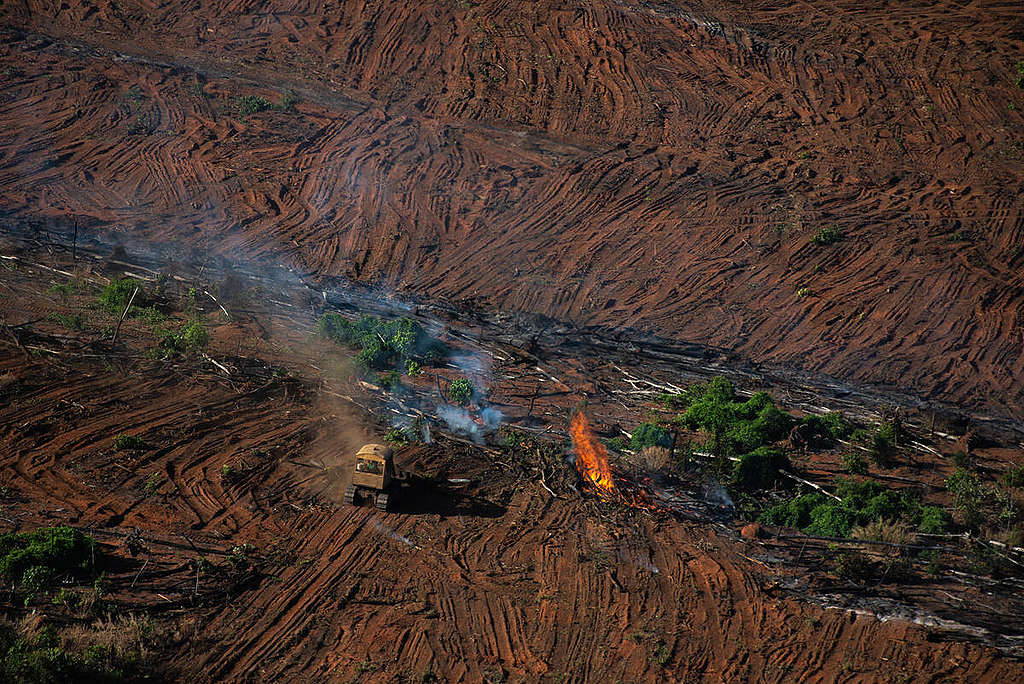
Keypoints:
pixel 831 189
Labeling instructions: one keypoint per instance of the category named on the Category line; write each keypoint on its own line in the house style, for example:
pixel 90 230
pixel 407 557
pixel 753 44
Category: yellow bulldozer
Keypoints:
pixel 373 477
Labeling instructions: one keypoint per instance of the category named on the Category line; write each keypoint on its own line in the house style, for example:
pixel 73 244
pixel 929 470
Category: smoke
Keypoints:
pixel 491 417
pixel 460 421
pixel 388 532
pixel 716 495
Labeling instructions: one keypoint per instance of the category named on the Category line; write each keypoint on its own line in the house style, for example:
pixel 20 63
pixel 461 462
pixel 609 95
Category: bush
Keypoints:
pixel 617 443
pixel 125 442
pixel 794 513
pixel 114 297
pixel 193 337
pixel 389 379
pixel 251 104
pixel 855 464
pixel 831 426
pixel 37 559
pixel 31 654
pixel 882 446
pixel 736 427
pixel 759 469
pixel 383 343
pixel 69 322
pixel 396 436
pixel 828 236
pixel 831 520
pixel 460 391
pixel 861 503
pixel 853 565
pixel 649 434
pixel 934 520
pixel 288 101
pixel 1014 477
pixel 968 495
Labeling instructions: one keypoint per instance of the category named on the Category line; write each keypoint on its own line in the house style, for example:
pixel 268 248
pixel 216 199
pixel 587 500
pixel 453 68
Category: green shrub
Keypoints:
pixel 882 446
pixel 383 343
pixel 794 513
pixel 288 101
pixel 37 559
pixel 251 104
pixel 759 469
pixel 649 434
pixel 114 297
pixel 831 426
pixel 125 442
pixel 617 444
pixel 460 391
pixel 828 236
pixel 412 368
pixel 389 379
pixel 861 503
pixel 855 463
pixel 149 314
pixel 736 427
pixel 1020 74
pixel 968 495
pixel 396 436
pixel 69 322
pixel 831 520
pixel 1014 477
pixel 192 337
pixel 43 658
pixel 934 520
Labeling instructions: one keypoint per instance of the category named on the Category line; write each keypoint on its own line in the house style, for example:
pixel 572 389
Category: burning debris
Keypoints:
pixel 591 456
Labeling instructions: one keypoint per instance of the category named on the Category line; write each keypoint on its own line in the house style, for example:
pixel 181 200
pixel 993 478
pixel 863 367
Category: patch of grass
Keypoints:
pixel 71 322
pixel 460 391
pixel 104 652
pixel 1014 477
pixel 828 235
pixel 66 290
pixel 36 560
pixel 126 442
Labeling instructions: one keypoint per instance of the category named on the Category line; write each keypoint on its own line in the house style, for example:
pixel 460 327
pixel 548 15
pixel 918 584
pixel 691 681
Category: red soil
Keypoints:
pixel 639 164
pixel 618 164
pixel 500 578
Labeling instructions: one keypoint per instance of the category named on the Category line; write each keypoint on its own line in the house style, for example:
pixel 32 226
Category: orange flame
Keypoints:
pixel 591 456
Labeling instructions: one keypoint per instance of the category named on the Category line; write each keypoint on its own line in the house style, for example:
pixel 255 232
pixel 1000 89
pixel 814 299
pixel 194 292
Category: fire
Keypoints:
pixel 591 456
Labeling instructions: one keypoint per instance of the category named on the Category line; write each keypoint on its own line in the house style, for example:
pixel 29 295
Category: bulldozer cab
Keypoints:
pixel 374 468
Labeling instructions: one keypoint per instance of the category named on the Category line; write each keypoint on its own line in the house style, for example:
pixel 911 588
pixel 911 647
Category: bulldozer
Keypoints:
pixel 373 477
